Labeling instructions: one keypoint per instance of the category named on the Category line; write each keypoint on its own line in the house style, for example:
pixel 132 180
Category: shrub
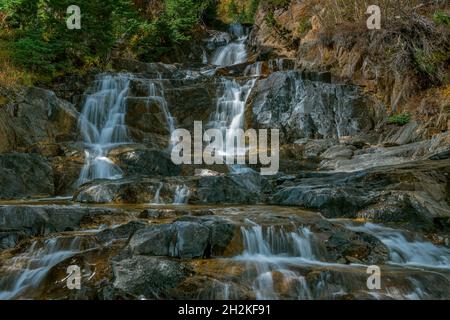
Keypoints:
pixel 400 119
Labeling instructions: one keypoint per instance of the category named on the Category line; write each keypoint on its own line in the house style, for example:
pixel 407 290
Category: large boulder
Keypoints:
pixel 186 238
pixel 310 109
pixel 36 119
pixel 137 160
pixel 25 175
pixel 146 277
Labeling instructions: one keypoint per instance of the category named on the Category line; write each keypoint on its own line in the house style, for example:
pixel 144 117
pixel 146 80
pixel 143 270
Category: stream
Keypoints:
pixel 168 246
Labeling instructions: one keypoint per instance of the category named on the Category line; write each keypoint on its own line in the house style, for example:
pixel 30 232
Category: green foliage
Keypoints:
pixel 432 64
pixel 440 17
pixel 43 44
pixel 304 25
pixel 149 39
pixel 240 11
pixel 400 119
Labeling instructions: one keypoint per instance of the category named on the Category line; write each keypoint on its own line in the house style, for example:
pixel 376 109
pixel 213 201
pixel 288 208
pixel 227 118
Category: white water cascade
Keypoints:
pixel 230 110
pixel 271 251
pixel 27 271
pixel 404 251
pixel 102 124
pixel 234 52
pixel 181 195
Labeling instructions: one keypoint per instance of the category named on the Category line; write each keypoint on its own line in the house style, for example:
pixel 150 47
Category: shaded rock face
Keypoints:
pixel 186 238
pixel 237 189
pixel 37 122
pixel 20 222
pixel 152 101
pixel 306 109
pixel 24 175
pixel 140 161
pixel 415 193
pixel 149 277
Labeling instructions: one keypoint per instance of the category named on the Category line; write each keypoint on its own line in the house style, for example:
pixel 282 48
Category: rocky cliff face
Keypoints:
pixel 385 62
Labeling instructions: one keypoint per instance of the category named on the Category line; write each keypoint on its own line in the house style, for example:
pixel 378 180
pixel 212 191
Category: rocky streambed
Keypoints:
pixel 91 184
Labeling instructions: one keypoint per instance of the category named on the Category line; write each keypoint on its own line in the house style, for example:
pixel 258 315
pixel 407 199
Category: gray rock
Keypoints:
pixel 154 241
pixel 19 222
pixel 188 237
pixel 235 188
pixel 37 118
pixel 338 152
pixel 412 192
pixel 25 175
pixel 306 109
pixel 147 277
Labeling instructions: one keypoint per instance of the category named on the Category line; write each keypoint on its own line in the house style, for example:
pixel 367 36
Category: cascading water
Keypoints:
pixel 229 115
pixel 254 70
pixel 157 199
pixel 415 252
pixel 234 52
pixel 156 94
pixel 270 251
pixel 27 271
pixel 181 195
pixel 102 124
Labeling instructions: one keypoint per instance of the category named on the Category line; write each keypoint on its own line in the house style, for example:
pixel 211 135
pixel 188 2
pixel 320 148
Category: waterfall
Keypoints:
pixel 28 270
pixel 254 70
pixel 181 195
pixel 414 252
pixel 272 241
pixel 156 94
pixel 270 251
pixel 102 125
pixel 234 52
pixel 230 110
pixel 157 199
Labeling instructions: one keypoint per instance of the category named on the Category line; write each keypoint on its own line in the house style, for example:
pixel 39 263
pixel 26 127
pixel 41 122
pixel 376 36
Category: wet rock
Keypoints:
pixel 411 192
pixel 338 152
pixel 357 248
pixel 19 222
pixel 187 237
pixel 217 39
pixel 242 188
pixel 25 175
pixel 37 121
pixel 284 100
pixel 153 241
pixel 146 162
pixel 122 232
pixel 66 170
pixel 374 157
pixel 146 277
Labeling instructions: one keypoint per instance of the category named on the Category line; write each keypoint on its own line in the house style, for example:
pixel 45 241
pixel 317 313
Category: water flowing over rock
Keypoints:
pixel 235 52
pixel 102 124
pixel 308 109
pixel 141 227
